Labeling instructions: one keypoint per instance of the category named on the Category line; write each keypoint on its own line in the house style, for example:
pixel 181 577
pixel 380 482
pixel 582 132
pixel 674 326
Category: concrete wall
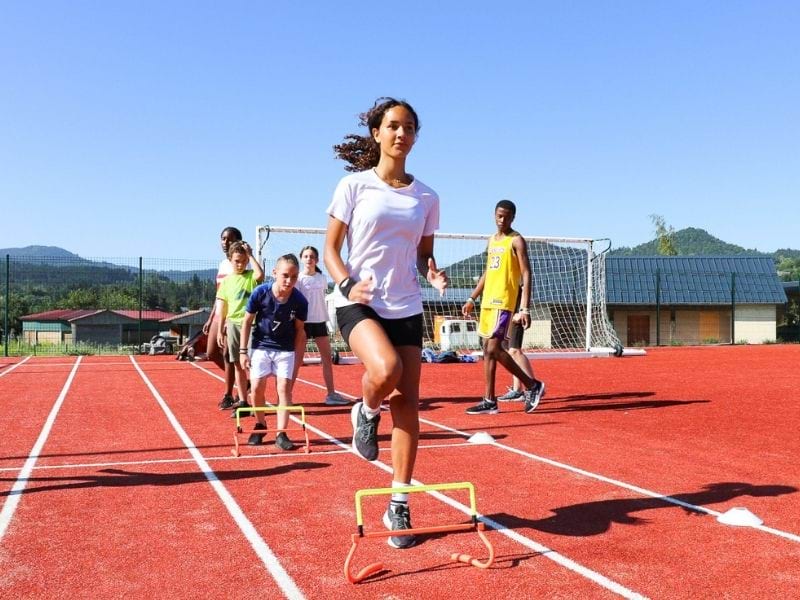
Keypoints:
pixel 97 334
pixel 755 324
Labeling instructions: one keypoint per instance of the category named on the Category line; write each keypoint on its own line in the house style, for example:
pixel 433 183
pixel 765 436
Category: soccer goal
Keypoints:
pixel 568 303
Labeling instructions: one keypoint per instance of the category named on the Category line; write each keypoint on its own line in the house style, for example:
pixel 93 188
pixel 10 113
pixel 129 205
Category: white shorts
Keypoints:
pixel 264 363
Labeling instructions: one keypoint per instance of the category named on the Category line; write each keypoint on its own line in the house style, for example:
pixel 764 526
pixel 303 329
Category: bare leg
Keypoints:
pixel 241 379
pixel 382 363
pixel 404 404
pixel 213 351
pixel 523 362
pixel 494 350
pixel 324 345
pixel 489 367
pixel 298 357
pixel 283 387
pixel 258 387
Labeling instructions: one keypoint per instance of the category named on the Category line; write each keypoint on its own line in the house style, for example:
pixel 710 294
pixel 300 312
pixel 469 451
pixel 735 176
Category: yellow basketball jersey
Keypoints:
pixel 503 276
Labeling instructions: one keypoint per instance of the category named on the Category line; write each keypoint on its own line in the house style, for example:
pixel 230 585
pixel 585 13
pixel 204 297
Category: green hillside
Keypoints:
pixel 42 252
pixel 692 242
pixel 698 242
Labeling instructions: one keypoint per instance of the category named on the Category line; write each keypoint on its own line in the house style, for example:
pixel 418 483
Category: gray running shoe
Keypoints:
pixel 335 399
pixel 397 518
pixel 226 402
pixel 243 413
pixel 365 432
pixel 533 396
pixel 484 407
pixel 283 442
pixel 256 439
pixel 510 396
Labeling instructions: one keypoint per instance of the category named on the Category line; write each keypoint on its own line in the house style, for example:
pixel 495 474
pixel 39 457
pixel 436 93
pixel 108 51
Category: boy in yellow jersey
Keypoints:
pixel 507 267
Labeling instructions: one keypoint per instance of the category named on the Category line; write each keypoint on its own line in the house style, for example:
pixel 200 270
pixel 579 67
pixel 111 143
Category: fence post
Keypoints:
pixel 8 301
pixel 141 303
pixel 733 308
pixel 658 307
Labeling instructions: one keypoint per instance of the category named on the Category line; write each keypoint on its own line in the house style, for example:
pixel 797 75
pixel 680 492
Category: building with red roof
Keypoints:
pixel 95 326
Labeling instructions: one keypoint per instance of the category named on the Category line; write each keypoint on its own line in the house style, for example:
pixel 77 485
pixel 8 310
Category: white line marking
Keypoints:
pixel 14 496
pixel 527 542
pixel 642 491
pixel 16 365
pixel 639 490
pixel 167 461
pixel 282 578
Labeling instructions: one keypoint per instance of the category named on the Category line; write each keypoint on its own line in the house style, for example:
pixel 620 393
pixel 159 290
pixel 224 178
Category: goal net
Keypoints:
pixel 568 300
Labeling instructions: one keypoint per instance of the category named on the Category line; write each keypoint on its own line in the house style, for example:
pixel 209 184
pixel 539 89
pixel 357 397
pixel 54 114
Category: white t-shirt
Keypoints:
pixel 384 228
pixel 225 269
pixel 313 287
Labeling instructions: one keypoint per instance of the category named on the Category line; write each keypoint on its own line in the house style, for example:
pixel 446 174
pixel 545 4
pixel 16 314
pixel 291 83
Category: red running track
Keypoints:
pixel 611 488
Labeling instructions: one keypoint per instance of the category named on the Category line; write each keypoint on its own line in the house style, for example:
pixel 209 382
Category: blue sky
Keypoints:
pixel 125 126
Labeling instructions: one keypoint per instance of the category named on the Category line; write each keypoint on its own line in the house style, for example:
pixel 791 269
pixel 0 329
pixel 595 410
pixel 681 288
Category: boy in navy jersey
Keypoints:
pixel 275 314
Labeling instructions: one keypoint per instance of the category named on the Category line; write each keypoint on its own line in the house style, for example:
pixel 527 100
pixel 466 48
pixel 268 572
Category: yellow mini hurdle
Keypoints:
pixel 475 525
pixel 267 409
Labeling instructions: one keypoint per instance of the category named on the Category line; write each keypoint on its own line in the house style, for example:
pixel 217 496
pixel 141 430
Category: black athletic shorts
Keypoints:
pixel 401 332
pixel 315 330
pixel 515 336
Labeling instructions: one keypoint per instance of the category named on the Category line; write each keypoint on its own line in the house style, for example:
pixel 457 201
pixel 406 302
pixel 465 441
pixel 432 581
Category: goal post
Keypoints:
pixel 568 300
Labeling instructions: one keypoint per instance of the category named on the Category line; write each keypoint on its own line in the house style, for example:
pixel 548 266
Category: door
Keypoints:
pixel 638 330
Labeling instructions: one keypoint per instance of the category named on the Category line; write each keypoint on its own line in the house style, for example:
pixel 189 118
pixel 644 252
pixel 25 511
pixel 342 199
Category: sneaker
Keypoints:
pixel 335 399
pixel 244 413
pixel 510 396
pixel 283 442
pixel 397 518
pixel 256 439
pixel 484 407
pixel 226 402
pixel 365 432
pixel 533 396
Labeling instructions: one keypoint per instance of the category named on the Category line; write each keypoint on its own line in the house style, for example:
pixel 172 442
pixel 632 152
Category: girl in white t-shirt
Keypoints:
pixel 388 218
pixel 314 285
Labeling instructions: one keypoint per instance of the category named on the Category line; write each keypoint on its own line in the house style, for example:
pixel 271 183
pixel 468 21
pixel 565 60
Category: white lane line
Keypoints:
pixel 546 552
pixel 639 490
pixel 167 461
pixel 615 482
pixel 15 366
pixel 14 496
pixel 264 552
pixel 642 491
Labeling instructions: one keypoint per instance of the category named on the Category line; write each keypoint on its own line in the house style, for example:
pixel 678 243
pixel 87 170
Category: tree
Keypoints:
pixel 665 236
pixel 788 268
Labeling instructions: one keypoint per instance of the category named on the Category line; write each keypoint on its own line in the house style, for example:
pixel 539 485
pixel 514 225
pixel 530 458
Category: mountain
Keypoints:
pixel 692 242
pixel 55 258
pixel 41 252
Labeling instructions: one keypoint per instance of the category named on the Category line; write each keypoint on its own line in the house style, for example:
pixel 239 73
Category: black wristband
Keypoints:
pixel 345 285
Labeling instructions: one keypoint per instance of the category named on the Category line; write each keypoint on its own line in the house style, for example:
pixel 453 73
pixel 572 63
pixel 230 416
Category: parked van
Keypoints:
pixel 456 334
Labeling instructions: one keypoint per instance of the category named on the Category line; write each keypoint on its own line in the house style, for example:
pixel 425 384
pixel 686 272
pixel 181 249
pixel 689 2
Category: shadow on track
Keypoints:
pixel 121 478
pixel 595 518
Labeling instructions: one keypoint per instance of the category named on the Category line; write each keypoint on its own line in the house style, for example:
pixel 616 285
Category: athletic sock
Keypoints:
pixel 397 497
pixel 370 413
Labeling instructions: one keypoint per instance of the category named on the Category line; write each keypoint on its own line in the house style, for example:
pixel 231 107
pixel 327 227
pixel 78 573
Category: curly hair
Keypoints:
pixel 362 151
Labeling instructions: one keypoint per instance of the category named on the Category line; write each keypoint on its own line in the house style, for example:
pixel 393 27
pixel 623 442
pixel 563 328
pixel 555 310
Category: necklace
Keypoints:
pixel 395 182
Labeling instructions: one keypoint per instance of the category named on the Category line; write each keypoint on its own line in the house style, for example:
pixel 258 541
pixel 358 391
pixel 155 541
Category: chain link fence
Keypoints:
pixel 71 305
pixel 98 305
